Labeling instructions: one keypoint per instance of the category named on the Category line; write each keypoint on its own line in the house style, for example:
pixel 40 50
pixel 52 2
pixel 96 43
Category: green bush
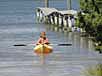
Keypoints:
pixel 95 70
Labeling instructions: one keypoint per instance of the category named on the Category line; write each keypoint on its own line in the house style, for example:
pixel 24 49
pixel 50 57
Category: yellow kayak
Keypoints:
pixel 43 49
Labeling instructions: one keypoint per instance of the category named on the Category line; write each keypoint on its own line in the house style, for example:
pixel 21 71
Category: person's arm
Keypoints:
pixel 38 42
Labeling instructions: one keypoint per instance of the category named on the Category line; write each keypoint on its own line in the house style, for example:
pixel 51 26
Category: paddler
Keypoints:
pixel 43 39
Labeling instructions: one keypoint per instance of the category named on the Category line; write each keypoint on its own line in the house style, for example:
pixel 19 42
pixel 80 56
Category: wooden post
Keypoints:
pixel 46 3
pixel 69 4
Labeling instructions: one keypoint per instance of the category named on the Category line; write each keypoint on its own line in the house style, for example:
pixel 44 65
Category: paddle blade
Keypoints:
pixel 64 44
pixel 19 45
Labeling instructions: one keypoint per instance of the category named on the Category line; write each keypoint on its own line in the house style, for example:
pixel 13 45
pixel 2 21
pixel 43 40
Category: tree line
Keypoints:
pixel 91 20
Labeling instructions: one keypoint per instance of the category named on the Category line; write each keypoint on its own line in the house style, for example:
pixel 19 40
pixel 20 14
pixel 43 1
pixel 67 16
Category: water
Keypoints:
pixel 18 26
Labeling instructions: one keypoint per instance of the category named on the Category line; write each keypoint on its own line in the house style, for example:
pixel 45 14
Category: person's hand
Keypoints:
pixel 47 43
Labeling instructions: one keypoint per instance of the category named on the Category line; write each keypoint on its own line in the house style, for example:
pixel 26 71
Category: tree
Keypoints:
pixel 92 20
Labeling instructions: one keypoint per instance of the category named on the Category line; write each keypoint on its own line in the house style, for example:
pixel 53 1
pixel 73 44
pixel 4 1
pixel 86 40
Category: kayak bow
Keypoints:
pixel 45 49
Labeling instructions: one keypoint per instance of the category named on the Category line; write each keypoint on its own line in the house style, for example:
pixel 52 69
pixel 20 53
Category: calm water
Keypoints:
pixel 18 26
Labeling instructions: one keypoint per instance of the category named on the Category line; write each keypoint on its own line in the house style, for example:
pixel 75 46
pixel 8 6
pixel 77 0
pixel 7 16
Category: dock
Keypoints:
pixel 64 18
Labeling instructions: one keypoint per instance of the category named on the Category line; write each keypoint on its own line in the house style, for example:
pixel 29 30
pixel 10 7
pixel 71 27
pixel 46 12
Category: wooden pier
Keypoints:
pixel 65 18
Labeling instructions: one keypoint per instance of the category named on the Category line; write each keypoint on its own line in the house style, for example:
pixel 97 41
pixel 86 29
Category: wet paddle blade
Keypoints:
pixel 64 44
pixel 61 44
pixel 19 45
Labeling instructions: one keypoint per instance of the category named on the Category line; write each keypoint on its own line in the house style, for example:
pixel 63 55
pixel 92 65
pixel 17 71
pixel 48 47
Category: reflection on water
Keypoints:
pixel 74 37
pixel 64 61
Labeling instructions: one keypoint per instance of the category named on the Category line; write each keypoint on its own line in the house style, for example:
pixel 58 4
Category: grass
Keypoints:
pixel 93 70
pixel 98 48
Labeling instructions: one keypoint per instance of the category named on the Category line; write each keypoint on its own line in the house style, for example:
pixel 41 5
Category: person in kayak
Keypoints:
pixel 43 39
pixel 42 52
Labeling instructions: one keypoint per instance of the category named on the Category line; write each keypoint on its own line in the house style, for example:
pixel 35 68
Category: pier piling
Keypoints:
pixel 46 3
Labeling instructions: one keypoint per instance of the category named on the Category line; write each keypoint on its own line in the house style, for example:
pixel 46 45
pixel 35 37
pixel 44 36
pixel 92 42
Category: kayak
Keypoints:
pixel 43 49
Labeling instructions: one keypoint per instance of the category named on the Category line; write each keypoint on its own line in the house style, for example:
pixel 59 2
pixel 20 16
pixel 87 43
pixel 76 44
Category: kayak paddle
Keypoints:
pixel 66 44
